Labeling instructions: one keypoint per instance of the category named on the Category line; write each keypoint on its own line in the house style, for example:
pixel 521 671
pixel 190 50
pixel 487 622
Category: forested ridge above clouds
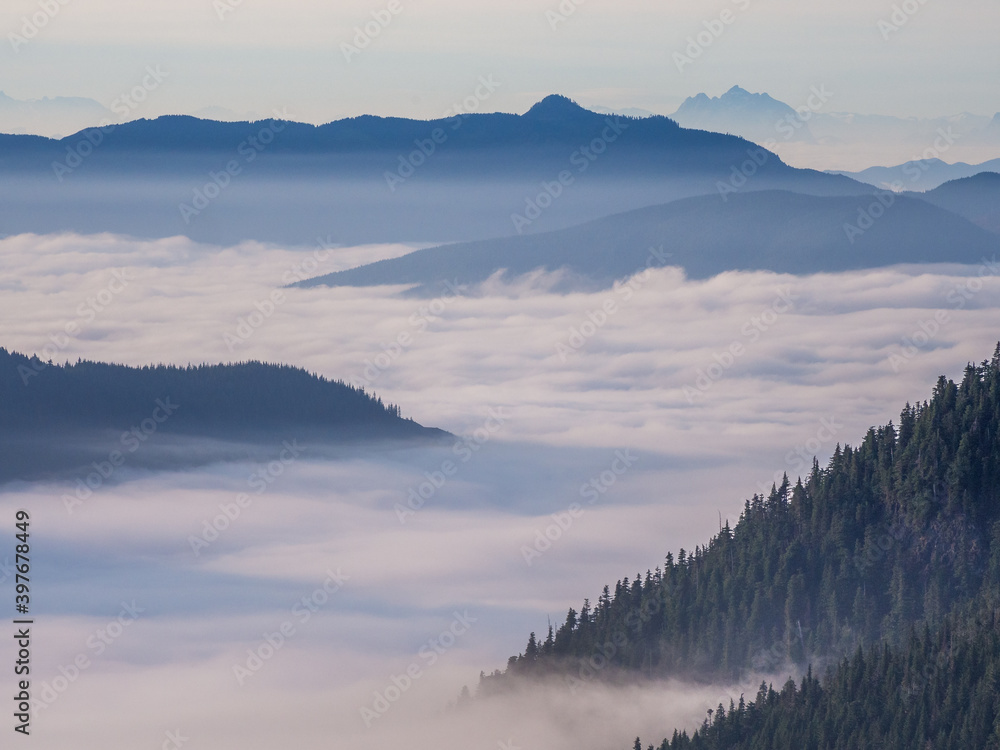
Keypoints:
pixel 61 420
pixel 245 394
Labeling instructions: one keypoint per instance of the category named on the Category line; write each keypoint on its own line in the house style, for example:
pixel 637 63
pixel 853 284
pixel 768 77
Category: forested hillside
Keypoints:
pixel 941 691
pixel 64 420
pixel 890 553
pixel 247 396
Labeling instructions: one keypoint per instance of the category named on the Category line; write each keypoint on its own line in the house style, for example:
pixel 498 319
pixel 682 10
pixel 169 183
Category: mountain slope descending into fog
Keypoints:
pixel 52 416
pixel 977 198
pixel 940 691
pixel 370 179
pixel 774 230
pixel 891 552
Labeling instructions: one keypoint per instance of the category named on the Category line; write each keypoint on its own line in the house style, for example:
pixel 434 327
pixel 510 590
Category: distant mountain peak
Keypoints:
pixel 737 95
pixel 556 107
pixel 738 111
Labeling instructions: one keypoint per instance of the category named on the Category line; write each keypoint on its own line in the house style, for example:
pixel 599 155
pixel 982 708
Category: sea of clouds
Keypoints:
pixel 351 599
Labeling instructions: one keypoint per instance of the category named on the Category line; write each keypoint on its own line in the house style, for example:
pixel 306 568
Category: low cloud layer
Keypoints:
pixel 594 433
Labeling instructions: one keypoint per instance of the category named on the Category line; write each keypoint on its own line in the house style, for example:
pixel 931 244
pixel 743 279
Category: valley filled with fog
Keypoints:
pixel 356 589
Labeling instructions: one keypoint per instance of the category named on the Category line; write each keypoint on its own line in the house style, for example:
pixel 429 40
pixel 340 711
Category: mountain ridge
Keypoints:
pixel 372 179
pixel 977 198
pixel 921 175
pixel 765 230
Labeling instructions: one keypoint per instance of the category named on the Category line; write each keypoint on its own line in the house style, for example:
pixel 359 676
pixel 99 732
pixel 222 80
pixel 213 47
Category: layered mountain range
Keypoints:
pixel 731 230
pixel 374 179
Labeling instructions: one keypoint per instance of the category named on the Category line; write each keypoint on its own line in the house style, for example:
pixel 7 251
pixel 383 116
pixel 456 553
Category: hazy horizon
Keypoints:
pixel 265 55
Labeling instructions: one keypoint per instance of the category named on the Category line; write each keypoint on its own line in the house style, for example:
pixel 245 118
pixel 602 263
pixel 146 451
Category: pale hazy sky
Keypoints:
pixel 266 54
